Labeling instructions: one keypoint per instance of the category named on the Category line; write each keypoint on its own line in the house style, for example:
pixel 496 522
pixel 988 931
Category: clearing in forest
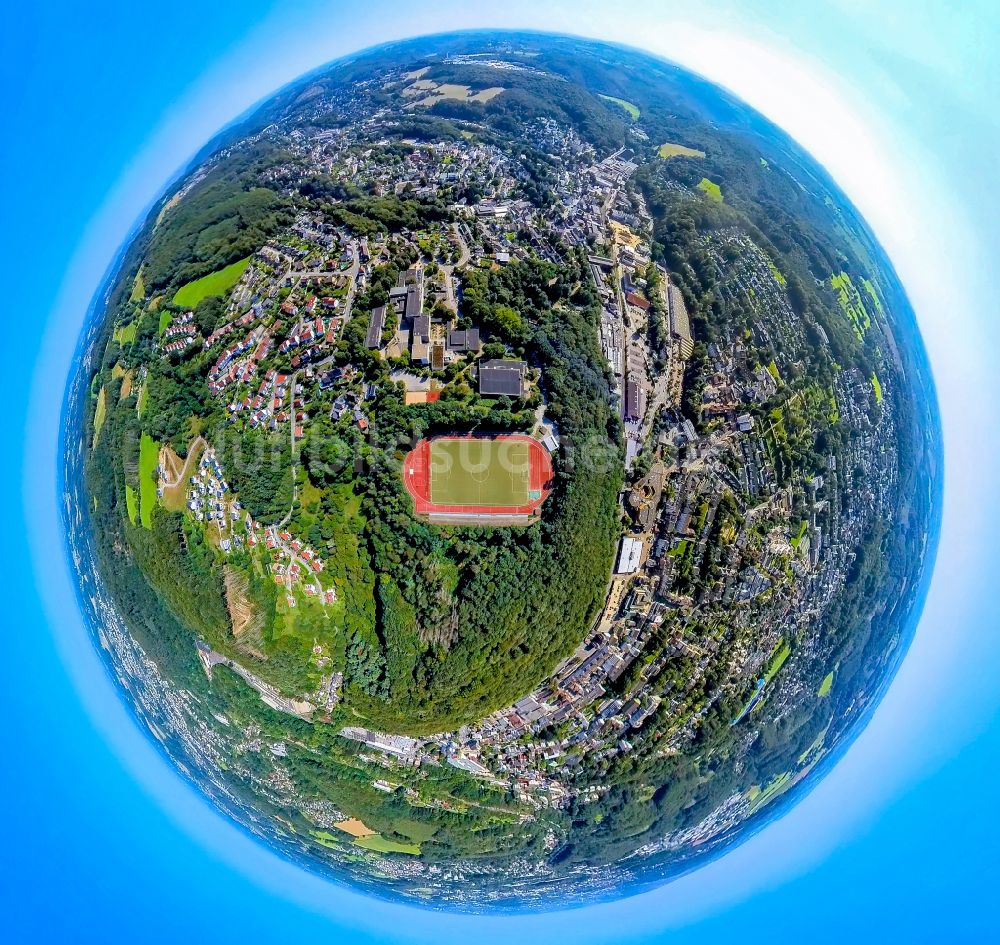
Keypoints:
pixel 215 283
pixel 668 150
pixel 506 475
pixel 631 108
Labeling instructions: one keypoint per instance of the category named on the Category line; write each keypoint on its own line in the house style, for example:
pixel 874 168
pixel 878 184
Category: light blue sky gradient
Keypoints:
pixel 104 102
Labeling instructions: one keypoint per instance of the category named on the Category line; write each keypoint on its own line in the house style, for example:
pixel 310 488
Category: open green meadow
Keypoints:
pixel 877 387
pixel 138 288
pixel 100 413
pixel 711 190
pixel 165 319
pixel 825 686
pixel 633 110
pixel 471 471
pixel 668 150
pixel 126 335
pixel 215 283
pixel 149 453
pixel 777 660
pixel 380 844
pixel 131 503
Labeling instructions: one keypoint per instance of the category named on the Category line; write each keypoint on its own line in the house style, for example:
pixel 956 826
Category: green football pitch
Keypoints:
pixel 468 471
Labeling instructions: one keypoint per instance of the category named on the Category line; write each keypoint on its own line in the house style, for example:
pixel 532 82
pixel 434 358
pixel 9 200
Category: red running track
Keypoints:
pixel 417 479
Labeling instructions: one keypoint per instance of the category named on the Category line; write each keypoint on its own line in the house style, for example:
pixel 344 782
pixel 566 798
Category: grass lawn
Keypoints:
pixel 138 288
pixel 711 190
pixel 126 335
pixel 325 839
pixel 668 150
pixel 633 110
pixel 825 686
pixel 101 413
pixel 165 319
pixel 417 830
pixel 471 471
pixel 777 661
pixel 452 91
pixel 380 844
pixel 131 503
pixel 149 451
pixel 215 283
pixel 143 397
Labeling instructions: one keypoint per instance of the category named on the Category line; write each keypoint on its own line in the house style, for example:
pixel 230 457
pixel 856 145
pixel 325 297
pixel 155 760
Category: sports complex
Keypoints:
pixel 488 479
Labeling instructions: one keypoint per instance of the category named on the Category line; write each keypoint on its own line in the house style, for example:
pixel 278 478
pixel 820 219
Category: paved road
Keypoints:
pixel 463 259
pixel 198 443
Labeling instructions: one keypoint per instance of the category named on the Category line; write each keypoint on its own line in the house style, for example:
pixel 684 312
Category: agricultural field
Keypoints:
pixel 128 380
pixel 100 413
pixel 138 288
pixel 215 283
pixel 381 844
pixel 449 91
pixel 669 149
pixel 149 452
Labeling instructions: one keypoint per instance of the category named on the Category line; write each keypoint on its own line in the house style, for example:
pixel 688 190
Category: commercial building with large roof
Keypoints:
pixel 376 323
pixel 502 378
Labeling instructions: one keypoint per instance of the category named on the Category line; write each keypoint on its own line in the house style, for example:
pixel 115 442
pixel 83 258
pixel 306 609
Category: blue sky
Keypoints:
pixel 104 101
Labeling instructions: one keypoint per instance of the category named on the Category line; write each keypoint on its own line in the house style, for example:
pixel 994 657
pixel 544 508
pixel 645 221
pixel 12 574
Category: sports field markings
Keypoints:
pixel 469 471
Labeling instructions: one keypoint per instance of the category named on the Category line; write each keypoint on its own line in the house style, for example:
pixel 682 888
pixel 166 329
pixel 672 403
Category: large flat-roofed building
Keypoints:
pixel 629 556
pixel 500 378
pixel 376 323
pixel 632 408
pixel 680 326
pixel 462 341
pixel 414 301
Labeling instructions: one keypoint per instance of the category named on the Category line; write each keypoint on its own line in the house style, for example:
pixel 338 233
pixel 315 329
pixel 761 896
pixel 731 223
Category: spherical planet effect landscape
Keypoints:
pixel 502 471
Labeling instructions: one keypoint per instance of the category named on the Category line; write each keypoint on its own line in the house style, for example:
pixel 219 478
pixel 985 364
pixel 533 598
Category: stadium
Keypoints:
pixel 495 480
